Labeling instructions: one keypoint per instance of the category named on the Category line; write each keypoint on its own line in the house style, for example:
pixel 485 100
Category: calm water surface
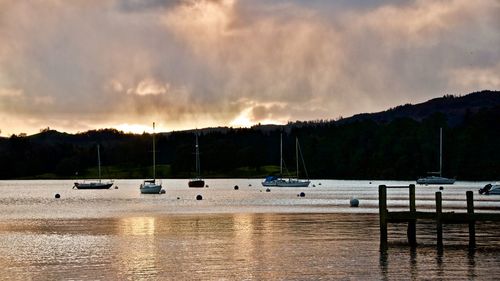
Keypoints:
pixel 245 234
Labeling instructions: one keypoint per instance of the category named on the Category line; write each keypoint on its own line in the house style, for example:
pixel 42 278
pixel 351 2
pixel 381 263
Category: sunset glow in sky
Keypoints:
pixel 80 65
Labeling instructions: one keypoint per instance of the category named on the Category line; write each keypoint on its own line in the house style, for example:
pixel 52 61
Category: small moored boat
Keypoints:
pixel 435 180
pixel 439 179
pixel 98 184
pixel 290 182
pixel 150 186
pixel 490 189
pixel 198 181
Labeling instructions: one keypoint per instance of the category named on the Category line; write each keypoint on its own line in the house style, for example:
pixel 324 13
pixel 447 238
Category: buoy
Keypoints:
pixel 302 194
pixel 163 191
pixel 249 184
pixel 354 202
pixel 370 182
pixel 236 187
pixel 319 183
pixel 268 190
pixel 178 198
pixel 441 188
pixel 199 197
pixel 57 196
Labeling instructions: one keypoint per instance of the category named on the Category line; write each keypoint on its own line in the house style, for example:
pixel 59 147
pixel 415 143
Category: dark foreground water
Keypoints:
pixel 245 234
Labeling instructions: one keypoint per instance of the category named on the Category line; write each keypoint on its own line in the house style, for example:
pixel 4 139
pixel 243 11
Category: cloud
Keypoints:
pixel 474 78
pixel 78 65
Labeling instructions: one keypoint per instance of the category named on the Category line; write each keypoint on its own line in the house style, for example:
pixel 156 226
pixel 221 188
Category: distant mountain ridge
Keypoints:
pixel 454 108
pixel 399 143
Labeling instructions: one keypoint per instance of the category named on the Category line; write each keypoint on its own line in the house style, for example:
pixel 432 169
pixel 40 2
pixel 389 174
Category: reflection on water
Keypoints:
pixel 230 235
pixel 232 246
pixel 139 255
pixel 138 225
pixel 451 263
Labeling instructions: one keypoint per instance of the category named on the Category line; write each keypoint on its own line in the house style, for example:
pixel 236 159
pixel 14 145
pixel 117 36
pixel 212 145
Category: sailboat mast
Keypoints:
pixel 281 155
pixel 440 151
pixel 99 162
pixel 154 154
pixel 297 154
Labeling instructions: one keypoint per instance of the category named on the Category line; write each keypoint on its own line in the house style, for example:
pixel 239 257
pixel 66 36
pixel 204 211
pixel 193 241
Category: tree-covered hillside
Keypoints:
pixel 393 147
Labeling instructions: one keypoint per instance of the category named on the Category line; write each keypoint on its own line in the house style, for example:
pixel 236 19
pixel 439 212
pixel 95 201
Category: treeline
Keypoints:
pixel 364 149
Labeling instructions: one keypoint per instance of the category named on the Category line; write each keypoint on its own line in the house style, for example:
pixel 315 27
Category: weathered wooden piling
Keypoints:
pixel 472 222
pixel 382 207
pixel 412 223
pixel 439 224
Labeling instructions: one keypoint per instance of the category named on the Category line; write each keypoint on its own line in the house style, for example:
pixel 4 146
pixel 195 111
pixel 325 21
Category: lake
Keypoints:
pixel 244 234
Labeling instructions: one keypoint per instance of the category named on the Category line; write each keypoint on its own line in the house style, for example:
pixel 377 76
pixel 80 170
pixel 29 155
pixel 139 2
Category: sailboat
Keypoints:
pixel 291 182
pixel 98 184
pixel 438 179
pixel 273 180
pixel 198 181
pixel 150 186
pixel 295 182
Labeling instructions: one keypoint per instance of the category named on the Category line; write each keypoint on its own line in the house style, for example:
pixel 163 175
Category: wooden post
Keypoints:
pixel 472 222
pixel 412 224
pixel 382 207
pixel 439 224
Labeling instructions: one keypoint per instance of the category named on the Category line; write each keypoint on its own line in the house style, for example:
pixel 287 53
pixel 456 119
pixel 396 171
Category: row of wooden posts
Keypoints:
pixel 441 218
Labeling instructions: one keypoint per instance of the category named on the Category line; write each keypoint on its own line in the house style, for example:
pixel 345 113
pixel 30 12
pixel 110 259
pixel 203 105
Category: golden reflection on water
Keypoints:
pixel 232 247
pixel 244 245
pixel 138 225
pixel 138 254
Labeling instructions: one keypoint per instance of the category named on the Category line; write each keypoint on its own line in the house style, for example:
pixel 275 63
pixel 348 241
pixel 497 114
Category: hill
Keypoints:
pixel 400 143
pixel 454 108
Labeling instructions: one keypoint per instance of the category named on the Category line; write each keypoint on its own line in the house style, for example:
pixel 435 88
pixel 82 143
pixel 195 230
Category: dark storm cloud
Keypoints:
pixel 85 64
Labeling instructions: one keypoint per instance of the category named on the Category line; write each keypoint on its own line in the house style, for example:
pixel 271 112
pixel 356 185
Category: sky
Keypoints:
pixel 80 65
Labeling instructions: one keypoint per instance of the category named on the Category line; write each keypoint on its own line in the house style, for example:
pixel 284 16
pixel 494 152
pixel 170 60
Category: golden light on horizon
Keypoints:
pixel 246 119
pixel 242 120
pixel 137 128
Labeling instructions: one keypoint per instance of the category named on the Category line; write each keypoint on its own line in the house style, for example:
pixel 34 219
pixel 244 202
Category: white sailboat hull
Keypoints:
pixel 292 183
pixel 435 180
pixel 150 188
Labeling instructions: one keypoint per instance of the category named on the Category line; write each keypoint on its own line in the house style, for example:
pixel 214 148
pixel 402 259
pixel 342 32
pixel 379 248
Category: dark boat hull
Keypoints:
pixel 93 185
pixel 196 183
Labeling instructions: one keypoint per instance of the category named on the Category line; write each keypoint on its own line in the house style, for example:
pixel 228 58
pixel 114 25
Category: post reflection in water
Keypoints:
pixel 471 264
pixel 450 262
pixel 413 263
pixel 439 261
pixel 383 263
